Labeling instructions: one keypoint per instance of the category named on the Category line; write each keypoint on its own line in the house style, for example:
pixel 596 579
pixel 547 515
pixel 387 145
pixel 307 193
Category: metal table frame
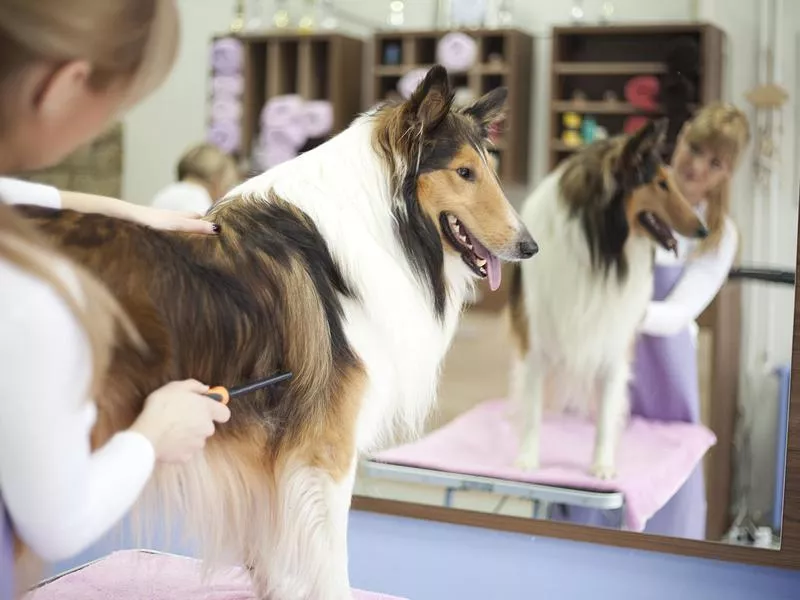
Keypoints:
pixel 543 497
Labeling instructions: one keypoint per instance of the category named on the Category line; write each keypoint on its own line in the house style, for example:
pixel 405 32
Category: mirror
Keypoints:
pixel 701 455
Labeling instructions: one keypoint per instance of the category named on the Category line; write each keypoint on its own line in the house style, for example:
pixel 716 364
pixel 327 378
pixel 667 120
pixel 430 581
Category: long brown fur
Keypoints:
pixel 226 310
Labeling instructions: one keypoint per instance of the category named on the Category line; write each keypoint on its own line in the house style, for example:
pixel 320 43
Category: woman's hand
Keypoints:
pixel 178 418
pixel 157 218
pixel 171 220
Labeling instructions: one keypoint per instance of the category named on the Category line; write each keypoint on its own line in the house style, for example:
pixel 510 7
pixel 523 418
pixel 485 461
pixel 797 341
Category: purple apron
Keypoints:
pixel 6 555
pixel 664 387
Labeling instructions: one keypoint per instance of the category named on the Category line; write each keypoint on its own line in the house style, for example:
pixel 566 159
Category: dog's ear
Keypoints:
pixel 489 108
pixel 644 142
pixel 432 100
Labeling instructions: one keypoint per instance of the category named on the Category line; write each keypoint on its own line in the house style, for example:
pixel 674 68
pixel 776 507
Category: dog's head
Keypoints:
pixel 654 205
pixel 448 198
pixel 621 188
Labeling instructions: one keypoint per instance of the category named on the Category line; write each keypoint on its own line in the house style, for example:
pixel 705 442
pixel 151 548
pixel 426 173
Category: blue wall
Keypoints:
pixel 423 560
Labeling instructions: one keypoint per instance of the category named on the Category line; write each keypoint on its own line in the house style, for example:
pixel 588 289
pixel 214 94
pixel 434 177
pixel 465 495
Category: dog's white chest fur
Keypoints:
pixel 581 322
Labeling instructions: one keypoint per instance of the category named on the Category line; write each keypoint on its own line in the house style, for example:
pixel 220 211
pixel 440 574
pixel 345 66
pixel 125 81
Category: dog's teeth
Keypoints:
pixel 463 238
pixel 452 219
pixel 481 262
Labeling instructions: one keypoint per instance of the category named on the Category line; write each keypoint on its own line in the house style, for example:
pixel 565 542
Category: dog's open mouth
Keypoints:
pixel 482 262
pixel 659 230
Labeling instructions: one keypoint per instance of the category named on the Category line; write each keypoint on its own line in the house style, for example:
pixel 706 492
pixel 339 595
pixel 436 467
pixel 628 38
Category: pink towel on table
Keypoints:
pixel 456 51
pixel 144 575
pixel 227 86
pixel 654 458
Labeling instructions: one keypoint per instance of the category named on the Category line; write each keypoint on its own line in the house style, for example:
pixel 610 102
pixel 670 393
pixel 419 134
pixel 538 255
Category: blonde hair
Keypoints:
pixel 205 162
pixel 130 42
pixel 724 130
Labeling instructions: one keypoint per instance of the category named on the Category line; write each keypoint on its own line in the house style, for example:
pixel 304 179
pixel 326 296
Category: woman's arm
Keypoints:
pixel 698 286
pixel 157 218
pixel 61 497
pixel 15 191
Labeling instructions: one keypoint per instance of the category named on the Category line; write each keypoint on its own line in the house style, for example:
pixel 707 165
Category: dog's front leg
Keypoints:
pixel 527 393
pixel 610 420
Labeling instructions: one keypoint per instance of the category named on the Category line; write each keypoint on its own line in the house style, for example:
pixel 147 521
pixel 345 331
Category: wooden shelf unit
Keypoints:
pixel 505 58
pixel 316 66
pixel 594 59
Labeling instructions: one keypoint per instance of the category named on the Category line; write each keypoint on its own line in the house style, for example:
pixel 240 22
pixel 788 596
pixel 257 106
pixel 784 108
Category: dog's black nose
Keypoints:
pixel 528 246
pixel 702 232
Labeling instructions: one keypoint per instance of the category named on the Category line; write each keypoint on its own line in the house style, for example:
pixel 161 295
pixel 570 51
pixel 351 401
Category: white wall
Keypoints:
pixel 162 127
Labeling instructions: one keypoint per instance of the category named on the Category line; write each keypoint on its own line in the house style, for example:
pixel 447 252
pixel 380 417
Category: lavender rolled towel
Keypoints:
pixel 225 135
pixel 409 82
pixel 227 86
pixel 226 109
pixel 268 156
pixel 456 51
pixel 280 110
pixel 318 118
pixel 227 56
pixel 291 136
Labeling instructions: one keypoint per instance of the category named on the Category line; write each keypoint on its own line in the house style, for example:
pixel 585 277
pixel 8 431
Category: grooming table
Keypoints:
pixel 150 575
pixel 477 450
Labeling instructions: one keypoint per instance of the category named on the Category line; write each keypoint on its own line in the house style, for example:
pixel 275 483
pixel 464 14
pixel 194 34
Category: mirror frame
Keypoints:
pixel 788 556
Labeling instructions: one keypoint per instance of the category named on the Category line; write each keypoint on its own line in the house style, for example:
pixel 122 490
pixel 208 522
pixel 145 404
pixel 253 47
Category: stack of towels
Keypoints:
pixel 288 123
pixel 227 88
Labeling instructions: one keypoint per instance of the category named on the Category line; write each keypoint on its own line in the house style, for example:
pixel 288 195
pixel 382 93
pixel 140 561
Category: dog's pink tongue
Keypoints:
pixel 492 264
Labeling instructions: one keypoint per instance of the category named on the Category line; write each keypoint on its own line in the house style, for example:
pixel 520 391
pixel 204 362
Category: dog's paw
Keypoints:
pixel 527 461
pixel 603 471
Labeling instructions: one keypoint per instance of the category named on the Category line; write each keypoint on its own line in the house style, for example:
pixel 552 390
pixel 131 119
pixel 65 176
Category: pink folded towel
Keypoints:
pixel 227 56
pixel 409 82
pixel 145 575
pixel 227 86
pixel 318 118
pixel 456 51
pixel 226 109
pixel 225 135
pixel 654 459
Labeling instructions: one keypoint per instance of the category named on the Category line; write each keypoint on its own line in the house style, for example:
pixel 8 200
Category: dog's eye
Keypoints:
pixel 663 185
pixel 465 173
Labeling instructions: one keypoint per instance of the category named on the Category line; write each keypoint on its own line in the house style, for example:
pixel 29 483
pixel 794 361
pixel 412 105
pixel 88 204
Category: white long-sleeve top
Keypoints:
pixel 61 497
pixel 700 282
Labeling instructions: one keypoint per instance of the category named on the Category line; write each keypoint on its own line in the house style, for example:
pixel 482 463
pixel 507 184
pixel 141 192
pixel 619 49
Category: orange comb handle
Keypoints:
pixel 219 393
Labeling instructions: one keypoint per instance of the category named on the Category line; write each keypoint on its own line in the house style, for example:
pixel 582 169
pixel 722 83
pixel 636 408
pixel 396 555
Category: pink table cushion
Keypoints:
pixel 654 458
pixel 145 575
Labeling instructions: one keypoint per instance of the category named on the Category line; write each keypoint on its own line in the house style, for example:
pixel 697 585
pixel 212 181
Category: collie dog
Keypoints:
pixel 575 310
pixel 347 266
